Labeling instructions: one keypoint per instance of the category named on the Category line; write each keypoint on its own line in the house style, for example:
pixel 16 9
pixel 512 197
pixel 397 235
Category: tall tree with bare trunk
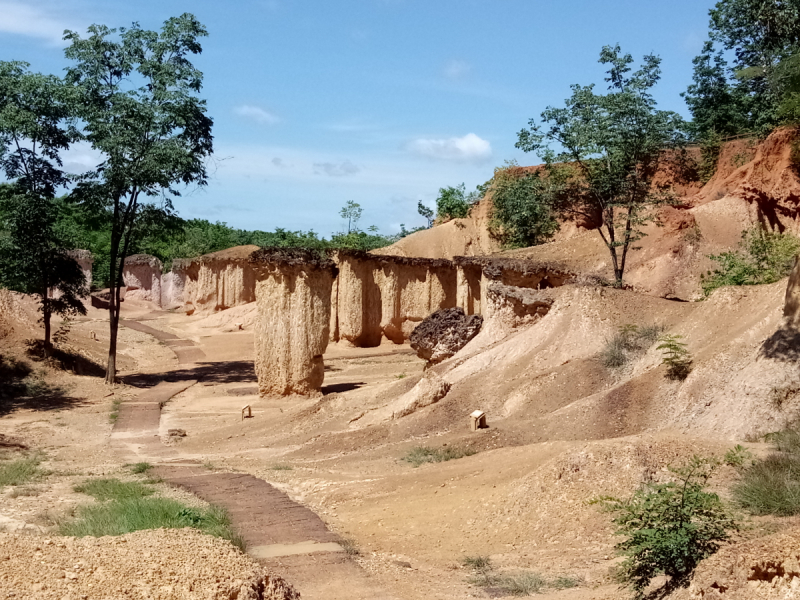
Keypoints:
pixel 36 115
pixel 139 104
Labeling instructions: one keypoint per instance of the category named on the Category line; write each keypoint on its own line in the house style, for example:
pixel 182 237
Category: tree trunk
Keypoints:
pixel 48 346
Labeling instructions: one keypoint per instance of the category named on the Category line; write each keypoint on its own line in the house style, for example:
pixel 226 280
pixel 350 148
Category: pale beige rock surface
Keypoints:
pixel 791 306
pixel 293 297
pixel 142 278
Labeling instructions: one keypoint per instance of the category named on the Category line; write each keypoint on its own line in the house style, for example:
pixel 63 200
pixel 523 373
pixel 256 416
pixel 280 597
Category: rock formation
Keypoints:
pixel 517 305
pixel 85 260
pixel 215 281
pixel 293 296
pixel 142 278
pixel 387 296
pixel 443 333
pixel 791 306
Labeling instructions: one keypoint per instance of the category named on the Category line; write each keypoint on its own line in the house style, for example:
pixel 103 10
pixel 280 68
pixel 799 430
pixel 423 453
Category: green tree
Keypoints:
pixel 137 92
pixel 610 147
pixel 426 212
pixel 717 107
pixel 669 527
pixel 521 211
pixel 761 35
pixel 35 127
pixel 452 202
pixel 351 212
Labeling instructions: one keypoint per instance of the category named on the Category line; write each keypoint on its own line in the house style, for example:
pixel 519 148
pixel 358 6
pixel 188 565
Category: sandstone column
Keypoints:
pixel 293 296
pixel 142 277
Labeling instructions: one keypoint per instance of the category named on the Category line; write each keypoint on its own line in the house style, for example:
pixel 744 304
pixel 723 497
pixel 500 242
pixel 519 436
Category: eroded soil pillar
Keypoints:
pixel 293 297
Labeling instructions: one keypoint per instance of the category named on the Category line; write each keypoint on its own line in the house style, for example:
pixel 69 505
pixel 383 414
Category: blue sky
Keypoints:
pixel 378 101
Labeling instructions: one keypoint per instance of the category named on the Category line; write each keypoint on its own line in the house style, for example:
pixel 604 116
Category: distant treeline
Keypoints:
pixel 168 236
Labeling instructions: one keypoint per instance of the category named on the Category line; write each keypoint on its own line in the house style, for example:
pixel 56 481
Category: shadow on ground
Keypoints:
pixel 233 371
pixel 338 388
pixel 783 345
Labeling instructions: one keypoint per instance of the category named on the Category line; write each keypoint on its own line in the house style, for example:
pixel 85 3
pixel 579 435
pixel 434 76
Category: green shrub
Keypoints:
pixel 762 257
pixel 455 202
pixel 521 213
pixel 675 356
pixel 141 468
pixel 113 489
pixel 710 148
pixel 669 527
pixel 21 471
pixel 737 456
pixel 119 517
pixel 421 455
pixel 629 343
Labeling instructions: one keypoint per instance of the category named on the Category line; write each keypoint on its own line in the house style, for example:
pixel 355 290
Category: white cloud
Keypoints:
pixel 457 69
pixel 257 114
pixel 469 148
pixel 32 21
pixel 336 169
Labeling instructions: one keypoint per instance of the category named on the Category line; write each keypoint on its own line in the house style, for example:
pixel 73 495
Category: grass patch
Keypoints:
pixel 25 490
pixel 520 583
pixel 628 344
pixel 113 489
pixel 772 486
pixel 141 467
pixel 114 414
pixel 420 455
pixel 281 467
pixel 350 546
pixel 119 517
pixel 21 471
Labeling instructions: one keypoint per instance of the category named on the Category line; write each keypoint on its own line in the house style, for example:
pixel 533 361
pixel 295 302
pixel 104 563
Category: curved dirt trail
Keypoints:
pixel 283 535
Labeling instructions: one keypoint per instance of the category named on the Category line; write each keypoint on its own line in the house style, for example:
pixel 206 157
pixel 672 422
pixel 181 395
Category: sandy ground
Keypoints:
pixel 518 501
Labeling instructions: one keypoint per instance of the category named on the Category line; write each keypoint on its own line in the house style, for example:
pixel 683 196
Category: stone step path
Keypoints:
pixel 285 536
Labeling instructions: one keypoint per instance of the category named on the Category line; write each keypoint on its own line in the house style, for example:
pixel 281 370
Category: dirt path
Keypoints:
pixel 280 533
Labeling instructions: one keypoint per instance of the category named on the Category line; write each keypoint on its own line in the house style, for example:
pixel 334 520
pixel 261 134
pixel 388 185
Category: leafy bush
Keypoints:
pixel 521 214
pixel 710 147
pixel 669 527
pixel 762 257
pixel 628 343
pixel 454 202
pixel 421 455
pixel 675 356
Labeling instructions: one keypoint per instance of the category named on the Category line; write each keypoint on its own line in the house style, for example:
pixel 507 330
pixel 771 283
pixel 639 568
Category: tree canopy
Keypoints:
pixel 609 147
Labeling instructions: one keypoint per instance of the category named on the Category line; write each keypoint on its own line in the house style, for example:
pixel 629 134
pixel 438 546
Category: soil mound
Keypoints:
pixel 458 237
pixel 762 569
pixel 164 564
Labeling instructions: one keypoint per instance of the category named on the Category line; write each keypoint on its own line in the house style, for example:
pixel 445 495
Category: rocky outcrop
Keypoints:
pixel 517 306
pixel 387 296
pixel 293 297
pixel 142 278
pixel 85 261
pixel 443 333
pixel 381 297
pixel 791 306
pixel 216 281
pixel 428 390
